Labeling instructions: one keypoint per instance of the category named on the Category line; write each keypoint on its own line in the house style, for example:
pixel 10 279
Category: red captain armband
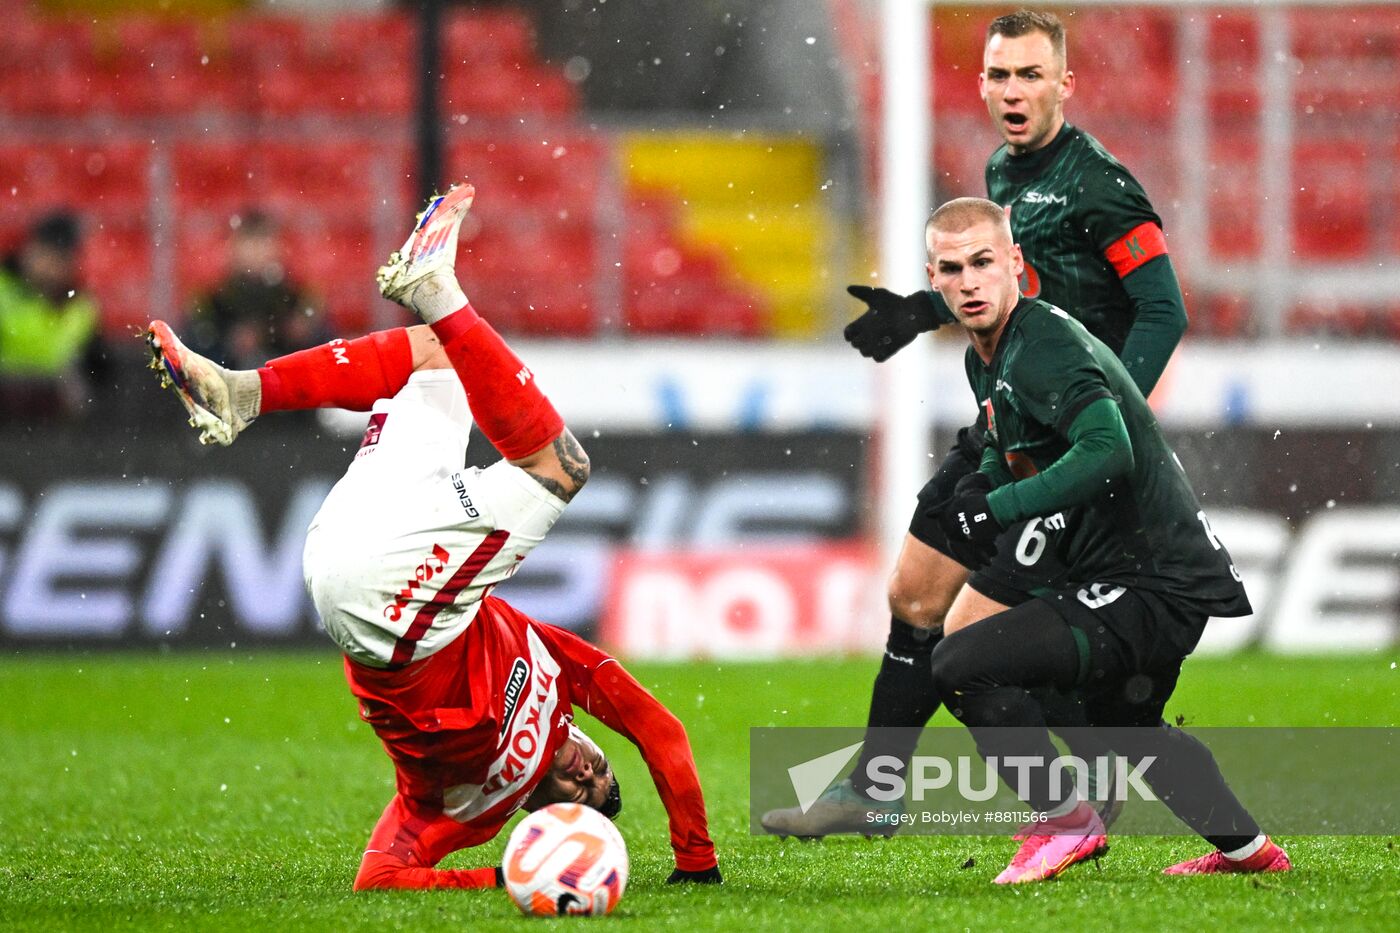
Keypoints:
pixel 1137 246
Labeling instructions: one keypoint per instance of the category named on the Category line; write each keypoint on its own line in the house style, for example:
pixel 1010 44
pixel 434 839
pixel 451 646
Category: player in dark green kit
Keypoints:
pixel 1070 437
pixel 1094 246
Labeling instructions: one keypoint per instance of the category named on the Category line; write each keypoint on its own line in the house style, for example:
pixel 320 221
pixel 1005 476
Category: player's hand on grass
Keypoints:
pixel 706 876
pixel 890 323
pixel 966 516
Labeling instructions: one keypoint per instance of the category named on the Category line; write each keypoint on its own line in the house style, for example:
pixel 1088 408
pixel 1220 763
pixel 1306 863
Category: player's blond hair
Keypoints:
pixel 960 213
pixel 1025 22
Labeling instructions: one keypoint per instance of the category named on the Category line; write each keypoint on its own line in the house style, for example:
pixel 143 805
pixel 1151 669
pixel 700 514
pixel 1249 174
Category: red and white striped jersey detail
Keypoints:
pixel 489 547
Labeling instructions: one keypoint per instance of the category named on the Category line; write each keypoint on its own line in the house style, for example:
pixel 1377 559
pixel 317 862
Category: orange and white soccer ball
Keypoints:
pixel 565 859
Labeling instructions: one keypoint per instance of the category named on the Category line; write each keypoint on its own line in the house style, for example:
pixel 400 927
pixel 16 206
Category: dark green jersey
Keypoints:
pixel 1145 528
pixel 1072 204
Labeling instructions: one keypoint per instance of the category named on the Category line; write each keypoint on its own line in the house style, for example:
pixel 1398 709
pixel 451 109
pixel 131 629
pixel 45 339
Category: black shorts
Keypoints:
pixel 1131 644
pixel 1024 563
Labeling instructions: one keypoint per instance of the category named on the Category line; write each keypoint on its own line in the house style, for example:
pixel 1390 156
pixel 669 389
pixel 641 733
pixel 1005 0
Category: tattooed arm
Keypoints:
pixel 562 467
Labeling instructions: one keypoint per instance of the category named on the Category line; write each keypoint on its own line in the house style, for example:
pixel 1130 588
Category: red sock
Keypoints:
pixel 351 374
pixel 508 406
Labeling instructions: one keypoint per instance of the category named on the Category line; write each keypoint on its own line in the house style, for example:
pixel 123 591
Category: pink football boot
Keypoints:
pixel 1269 858
pixel 1051 847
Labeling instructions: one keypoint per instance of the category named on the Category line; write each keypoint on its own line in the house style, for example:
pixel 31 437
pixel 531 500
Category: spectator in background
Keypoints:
pixel 51 353
pixel 257 311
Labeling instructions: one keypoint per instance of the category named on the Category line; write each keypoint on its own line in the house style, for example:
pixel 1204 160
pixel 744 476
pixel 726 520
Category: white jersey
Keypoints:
pixel 409 541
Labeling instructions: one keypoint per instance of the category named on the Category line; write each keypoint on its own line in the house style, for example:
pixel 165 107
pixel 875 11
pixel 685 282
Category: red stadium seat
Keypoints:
pixel 320 177
pixel 216 175
pixel 327 254
pixel 1233 53
pixel 491 70
pixel 1233 39
pixel 325 178
pixel 1228 316
pixel 560 173
pixel 1356 32
pixel 1234 182
pixel 268 40
pixel 656 310
pixel 47 66
pixel 145 66
pixel 336 262
pixel 532 273
pixel 377 53
pixel 496 37
pixel 957 37
pixel 1336 320
pixel 673 287
pixel 117 269
pixel 201 246
pixel 375 36
pixel 540 307
pixel 510 89
pixel 1113 48
pixel 274 52
pixel 1332 203
pixel 1346 59
pixel 111 178
pixel 350 65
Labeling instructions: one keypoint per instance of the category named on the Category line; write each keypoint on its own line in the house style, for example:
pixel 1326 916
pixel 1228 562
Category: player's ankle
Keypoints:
pixel 462 319
pixel 273 393
pixel 1247 851
pixel 436 297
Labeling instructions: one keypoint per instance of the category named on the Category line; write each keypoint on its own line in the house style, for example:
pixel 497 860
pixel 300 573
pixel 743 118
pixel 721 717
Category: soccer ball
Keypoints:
pixel 565 859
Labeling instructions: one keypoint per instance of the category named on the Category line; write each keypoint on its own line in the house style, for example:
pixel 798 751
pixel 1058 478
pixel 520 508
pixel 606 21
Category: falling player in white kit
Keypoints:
pixel 472 699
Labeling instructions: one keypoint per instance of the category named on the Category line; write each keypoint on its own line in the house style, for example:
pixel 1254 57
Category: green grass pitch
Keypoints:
pixel 236 791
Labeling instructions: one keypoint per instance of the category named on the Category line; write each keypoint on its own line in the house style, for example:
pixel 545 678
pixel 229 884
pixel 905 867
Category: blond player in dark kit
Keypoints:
pixel 1068 433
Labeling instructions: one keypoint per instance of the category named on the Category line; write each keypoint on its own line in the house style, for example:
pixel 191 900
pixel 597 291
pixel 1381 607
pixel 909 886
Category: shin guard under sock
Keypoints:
pixel 506 404
pixel 903 699
pixel 351 374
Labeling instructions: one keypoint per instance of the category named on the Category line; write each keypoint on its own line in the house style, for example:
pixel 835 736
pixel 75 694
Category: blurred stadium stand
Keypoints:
pixel 162 127
pixel 172 126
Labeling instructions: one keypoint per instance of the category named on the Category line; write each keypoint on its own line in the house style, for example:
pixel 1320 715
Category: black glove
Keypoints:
pixel 966 517
pixel 891 322
pixel 706 876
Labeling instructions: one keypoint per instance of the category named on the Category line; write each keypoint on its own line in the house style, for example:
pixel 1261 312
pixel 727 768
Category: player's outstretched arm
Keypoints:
pixel 891 321
pixel 622 704
pixel 608 692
